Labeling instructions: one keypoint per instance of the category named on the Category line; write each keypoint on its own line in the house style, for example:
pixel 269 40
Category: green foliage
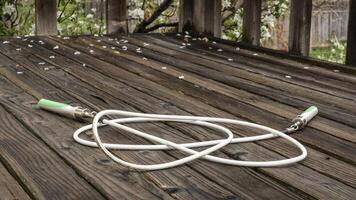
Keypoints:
pixel 232 26
pixel 334 53
pixel 73 20
pixel 272 10
pixel 16 17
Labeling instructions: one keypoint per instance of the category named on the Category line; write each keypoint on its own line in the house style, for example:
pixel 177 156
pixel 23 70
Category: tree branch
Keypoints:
pixel 161 8
pixel 231 10
pixel 143 4
pixel 157 26
pixel 64 8
pixel 17 14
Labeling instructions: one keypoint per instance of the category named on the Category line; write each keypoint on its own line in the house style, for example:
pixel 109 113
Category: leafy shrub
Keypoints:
pixel 73 20
pixel 16 17
pixel 334 53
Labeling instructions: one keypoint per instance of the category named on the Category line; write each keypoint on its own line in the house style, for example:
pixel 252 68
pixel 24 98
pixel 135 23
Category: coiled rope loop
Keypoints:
pixel 163 144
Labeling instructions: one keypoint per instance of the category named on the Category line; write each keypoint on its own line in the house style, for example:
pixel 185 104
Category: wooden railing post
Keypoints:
pixel 201 16
pixel 251 31
pixel 186 8
pixel 351 35
pixel 46 17
pixel 116 16
pixel 212 24
pixel 300 27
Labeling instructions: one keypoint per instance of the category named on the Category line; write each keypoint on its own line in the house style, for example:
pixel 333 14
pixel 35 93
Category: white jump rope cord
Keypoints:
pixel 131 117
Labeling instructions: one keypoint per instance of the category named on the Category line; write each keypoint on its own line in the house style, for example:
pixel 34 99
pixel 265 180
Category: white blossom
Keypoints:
pixel 90 16
pixel 226 3
pixel 8 8
pixel 136 13
pixel 59 13
pixel 59 27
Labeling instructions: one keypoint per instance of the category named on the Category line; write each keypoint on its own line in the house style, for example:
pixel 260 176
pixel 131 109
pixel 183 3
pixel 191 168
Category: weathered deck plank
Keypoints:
pixel 309 75
pixel 141 104
pixel 145 103
pixel 43 172
pixel 251 87
pixel 9 187
pixel 277 86
pixel 249 114
pixel 104 55
pixel 174 180
pixel 256 100
pixel 89 163
pixel 201 82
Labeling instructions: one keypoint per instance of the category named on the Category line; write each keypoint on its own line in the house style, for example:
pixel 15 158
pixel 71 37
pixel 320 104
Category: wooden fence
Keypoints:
pixel 325 26
pixel 329 21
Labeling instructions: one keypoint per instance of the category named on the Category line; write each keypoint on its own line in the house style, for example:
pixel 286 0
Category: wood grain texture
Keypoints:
pixel 351 35
pixel 250 87
pixel 132 97
pixel 116 16
pixel 201 16
pixel 328 81
pixel 218 64
pixel 243 94
pixel 148 103
pixel 251 30
pixel 213 17
pixel 93 166
pixel 206 57
pixel 46 17
pixel 300 27
pixel 211 87
pixel 102 54
pixel 174 179
pixel 43 172
pixel 186 9
pixel 289 58
pixel 9 187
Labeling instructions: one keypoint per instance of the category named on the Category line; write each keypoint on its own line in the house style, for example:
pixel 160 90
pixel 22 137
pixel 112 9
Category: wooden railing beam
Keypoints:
pixel 351 35
pixel 46 17
pixel 116 16
pixel 300 27
pixel 251 29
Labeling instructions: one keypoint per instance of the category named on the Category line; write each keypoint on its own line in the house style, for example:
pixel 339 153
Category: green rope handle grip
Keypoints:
pixel 58 108
pixel 49 103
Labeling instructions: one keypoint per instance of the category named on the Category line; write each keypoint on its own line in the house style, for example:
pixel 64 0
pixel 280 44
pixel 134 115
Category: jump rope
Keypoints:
pixel 99 120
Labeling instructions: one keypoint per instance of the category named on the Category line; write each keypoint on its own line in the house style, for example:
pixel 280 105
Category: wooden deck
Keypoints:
pixel 40 160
